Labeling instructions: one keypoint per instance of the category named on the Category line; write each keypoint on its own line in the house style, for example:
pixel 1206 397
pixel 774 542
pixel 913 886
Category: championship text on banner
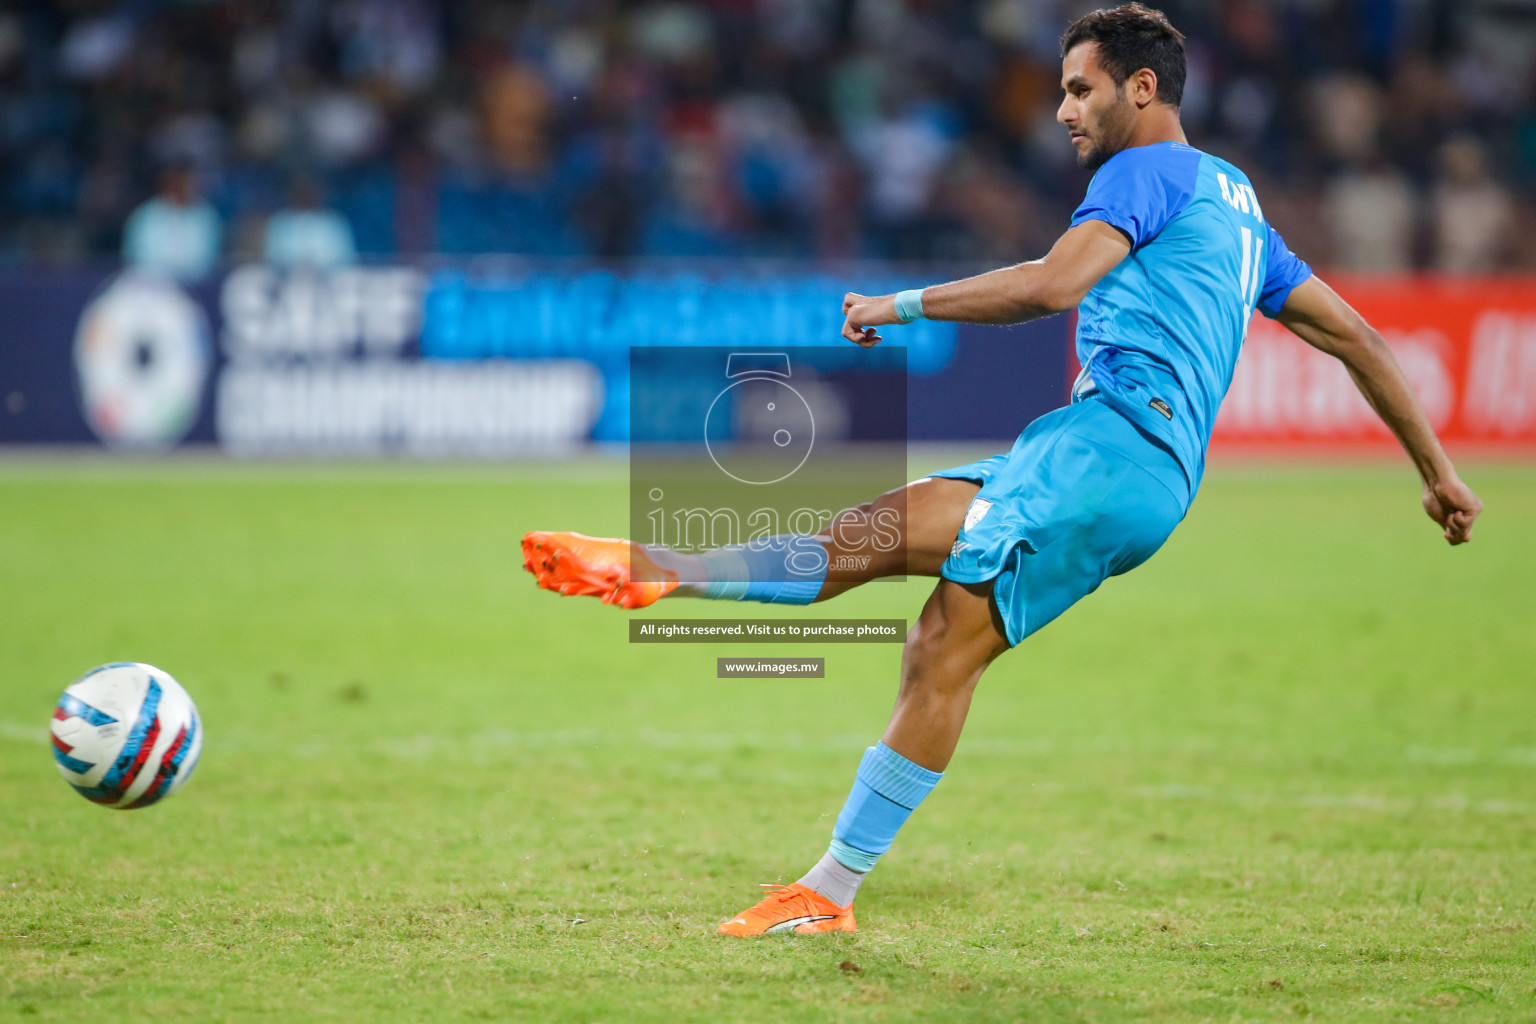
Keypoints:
pixel 481 359
pixel 444 358
pixel 767 631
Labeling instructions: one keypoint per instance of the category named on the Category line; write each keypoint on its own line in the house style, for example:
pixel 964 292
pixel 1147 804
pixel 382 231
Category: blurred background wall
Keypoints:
pixel 480 168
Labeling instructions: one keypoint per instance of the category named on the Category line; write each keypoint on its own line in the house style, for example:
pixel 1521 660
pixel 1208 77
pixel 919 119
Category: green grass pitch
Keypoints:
pixel 1286 770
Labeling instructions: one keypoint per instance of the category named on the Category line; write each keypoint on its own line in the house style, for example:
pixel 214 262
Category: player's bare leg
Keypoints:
pixel 928 513
pixel 925 515
pixel 958 634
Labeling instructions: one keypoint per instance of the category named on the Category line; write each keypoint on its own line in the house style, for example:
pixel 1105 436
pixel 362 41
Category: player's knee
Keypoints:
pixel 934 660
pixel 958 634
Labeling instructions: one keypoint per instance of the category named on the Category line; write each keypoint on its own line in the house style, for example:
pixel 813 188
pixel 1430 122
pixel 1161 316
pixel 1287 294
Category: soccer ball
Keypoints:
pixel 126 735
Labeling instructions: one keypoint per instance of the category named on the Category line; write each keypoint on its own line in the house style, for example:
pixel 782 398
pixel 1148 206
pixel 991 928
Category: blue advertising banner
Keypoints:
pixel 466 361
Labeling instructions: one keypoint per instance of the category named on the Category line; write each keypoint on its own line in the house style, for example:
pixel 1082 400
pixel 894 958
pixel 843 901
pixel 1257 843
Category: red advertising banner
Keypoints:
pixel 1468 346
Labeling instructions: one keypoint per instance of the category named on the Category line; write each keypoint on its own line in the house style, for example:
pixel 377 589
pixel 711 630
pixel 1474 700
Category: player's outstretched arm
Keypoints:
pixel 1011 295
pixel 1317 315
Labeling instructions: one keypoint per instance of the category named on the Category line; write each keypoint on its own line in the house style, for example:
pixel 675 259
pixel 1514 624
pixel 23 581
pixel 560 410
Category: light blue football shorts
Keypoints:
pixel 1082 496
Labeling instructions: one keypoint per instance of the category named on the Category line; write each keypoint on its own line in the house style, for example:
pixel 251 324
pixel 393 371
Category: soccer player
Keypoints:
pixel 1166 260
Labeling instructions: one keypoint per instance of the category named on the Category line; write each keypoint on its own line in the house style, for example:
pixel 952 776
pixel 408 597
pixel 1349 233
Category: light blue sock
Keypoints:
pixel 786 569
pixel 886 790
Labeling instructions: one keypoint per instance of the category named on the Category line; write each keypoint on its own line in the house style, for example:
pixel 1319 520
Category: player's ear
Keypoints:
pixel 1143 87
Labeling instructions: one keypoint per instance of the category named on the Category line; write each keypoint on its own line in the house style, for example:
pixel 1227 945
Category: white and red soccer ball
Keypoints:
pixel 126 735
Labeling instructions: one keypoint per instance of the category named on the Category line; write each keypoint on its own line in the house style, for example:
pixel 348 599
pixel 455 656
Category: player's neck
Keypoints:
pixel 1158 123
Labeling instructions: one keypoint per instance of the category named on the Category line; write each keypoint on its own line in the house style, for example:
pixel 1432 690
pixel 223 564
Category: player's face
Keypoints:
pixel 1099 115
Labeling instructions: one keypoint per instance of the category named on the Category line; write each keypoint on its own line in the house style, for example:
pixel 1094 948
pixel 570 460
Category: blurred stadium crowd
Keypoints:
pixel 1382 134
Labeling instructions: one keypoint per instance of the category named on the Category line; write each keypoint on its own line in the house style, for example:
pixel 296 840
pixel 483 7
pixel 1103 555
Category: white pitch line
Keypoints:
pixel 18 733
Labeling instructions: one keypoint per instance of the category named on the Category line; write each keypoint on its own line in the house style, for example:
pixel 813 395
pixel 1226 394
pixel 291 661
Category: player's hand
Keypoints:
pixel 864 313
pixel 1452 504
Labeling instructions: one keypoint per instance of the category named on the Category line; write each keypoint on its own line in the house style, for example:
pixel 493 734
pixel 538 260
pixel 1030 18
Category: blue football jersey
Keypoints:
pixel 1160 334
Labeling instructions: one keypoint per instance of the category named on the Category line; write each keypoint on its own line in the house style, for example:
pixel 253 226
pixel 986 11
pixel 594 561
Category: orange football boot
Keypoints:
pixel 618 571
pixel 791 908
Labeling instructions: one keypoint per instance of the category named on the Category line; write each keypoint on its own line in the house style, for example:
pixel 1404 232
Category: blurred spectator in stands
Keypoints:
pixel 176 232
pixel 1368 205
pixel 994 210
pixel 514 106
pixel 1347 117
pixel 612 169
pixel 1425 105
pixel 1371 211
pixel 777 172
pixel 903 153
pixel 1471 212
pixel 693 216
pixel 834 127
pixel 393 43
pixel 307 234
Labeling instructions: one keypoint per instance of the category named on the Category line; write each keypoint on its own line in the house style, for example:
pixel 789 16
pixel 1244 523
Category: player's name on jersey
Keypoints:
pixel 703 631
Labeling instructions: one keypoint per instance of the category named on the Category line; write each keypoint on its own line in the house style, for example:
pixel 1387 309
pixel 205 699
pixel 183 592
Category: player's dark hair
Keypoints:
pixel 1131 37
